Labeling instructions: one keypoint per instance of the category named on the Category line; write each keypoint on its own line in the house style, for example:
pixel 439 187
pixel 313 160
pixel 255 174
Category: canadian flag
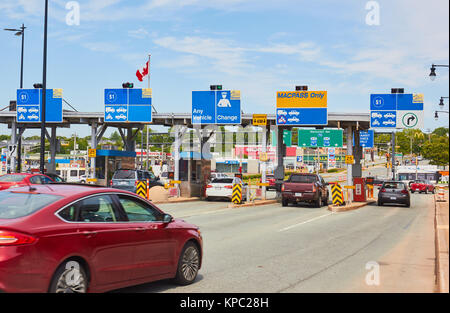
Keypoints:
pixel 141 74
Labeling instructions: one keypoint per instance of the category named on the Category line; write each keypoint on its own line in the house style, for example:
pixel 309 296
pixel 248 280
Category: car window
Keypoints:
pixel 223 180
pixel 46 180
pixel 305 179
pixel 12 178
pixel 140 175
pixel 96 209
pixel 19 204
pixel 125 174
pixel 68 214
pixel 164 174
pixel 58 179
pixel 36 180
pixel 394 185
pixel 138 211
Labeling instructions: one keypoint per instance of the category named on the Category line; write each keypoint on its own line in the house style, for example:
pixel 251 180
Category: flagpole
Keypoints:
pixel 148 152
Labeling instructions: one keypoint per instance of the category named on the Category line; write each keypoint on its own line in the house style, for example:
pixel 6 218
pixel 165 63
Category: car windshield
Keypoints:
pixel 16 204
pixel 11 178
pixel 164 174
pixel 306 179
pixel 125 174
pixel 223 180
pixel 394 185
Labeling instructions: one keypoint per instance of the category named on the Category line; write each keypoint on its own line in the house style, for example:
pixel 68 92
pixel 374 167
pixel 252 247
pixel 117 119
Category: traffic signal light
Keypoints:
pixel 216 87
pixel 38 86
pixel 301 88
pixel 127 85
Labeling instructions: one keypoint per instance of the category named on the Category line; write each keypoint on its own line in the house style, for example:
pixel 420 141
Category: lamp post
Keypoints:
pixel 44 93
pixel 19 32
pixel 433 70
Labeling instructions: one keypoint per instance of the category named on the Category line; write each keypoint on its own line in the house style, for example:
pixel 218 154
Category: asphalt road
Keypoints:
pixel 303 249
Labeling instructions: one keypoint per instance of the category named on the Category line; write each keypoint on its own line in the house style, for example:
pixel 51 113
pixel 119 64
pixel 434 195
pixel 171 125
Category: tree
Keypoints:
pixel 436 150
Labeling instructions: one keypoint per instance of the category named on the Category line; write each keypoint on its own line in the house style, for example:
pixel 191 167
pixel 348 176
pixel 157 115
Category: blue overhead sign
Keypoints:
pixel 216 107
pixel 128 105
pixel 302 116
pixel 29 106
pixel 396 111
pixel 366 138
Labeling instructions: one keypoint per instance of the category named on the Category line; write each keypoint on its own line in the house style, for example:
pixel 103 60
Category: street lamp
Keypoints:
pixel 19 32
pixel 436 115
pixel 44 93
pixel 433 70
pixel 441 102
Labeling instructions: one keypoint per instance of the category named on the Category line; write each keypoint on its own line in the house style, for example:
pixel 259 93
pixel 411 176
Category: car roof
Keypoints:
pixel 65 190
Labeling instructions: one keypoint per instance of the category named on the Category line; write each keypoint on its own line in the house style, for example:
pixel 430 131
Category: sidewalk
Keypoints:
pixel 442 244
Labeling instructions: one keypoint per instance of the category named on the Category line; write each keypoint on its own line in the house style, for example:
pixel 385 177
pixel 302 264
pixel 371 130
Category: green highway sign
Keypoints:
pixel 287 138
pixel 320 138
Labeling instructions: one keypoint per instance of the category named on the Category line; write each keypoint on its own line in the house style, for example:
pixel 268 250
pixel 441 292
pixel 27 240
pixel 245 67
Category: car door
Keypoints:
pixel 154 246
pixel 107 241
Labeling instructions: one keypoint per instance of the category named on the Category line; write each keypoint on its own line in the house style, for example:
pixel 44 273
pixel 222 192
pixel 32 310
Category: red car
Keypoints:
pixel 64 238
pixel 23 179
pixel 271 180
pixel 422 186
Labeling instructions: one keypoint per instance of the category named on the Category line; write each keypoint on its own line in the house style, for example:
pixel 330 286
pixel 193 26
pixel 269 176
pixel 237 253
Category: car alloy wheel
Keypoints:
pixel 69 278
pixel 188 265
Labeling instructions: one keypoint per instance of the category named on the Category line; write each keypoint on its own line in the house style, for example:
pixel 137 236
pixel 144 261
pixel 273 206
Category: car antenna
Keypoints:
pixel 31 188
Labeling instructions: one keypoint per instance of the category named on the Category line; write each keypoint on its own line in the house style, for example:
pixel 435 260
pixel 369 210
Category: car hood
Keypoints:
pixel 180 223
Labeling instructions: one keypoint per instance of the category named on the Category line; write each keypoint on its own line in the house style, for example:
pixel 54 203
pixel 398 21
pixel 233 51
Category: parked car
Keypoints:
pixel 394 192
pixel 23 179
pixel 304 187
pixel 421 186
pixel 127 179
pixel 271 180
pixel 81 238
pixel 223 188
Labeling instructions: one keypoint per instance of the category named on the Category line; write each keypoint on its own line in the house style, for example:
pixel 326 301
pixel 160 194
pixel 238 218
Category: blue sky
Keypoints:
pixel 258 47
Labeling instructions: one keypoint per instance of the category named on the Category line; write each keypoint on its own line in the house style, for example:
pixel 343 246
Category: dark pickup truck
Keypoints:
pixel 303 187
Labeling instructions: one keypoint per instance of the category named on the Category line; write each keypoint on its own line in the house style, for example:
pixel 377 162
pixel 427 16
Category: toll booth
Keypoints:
pixel 359 193
pixel 108 161
pixel 194 174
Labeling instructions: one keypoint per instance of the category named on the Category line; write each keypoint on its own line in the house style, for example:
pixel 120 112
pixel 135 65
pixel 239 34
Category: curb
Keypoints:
pixel 260 202
pixel 441 253
pixel 353 206
pixel 176 200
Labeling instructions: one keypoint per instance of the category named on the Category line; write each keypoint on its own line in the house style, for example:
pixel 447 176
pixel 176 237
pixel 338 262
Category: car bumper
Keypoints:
pixel 402 199
pixel 305 196
pixel 222 193
pixel 18 272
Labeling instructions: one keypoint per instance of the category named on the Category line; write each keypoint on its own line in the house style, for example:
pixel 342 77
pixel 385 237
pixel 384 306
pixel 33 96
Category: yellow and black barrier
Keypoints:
pixel 141 189
pixel 236 196
pixel 336 194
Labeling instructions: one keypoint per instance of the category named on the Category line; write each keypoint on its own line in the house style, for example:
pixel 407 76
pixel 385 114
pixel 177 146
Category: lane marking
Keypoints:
pixel 307 221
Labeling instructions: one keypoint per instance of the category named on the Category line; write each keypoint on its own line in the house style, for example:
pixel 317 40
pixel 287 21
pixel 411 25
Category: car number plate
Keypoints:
pixel 123 183
pixel 393 198
pixel 298 194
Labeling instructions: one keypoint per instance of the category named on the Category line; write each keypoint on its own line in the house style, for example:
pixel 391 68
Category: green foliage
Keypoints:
pixel 436 150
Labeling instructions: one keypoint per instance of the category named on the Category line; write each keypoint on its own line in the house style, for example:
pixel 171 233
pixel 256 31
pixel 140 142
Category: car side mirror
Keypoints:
pixel 167 218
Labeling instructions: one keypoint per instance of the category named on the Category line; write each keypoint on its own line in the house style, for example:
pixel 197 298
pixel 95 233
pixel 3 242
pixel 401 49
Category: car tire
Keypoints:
pixel 380 203
pixel 284 202
pixel 318 203
pixel 413 191
pixel 433 191
pixel 188 264
pixel 408 204
pixel 70 277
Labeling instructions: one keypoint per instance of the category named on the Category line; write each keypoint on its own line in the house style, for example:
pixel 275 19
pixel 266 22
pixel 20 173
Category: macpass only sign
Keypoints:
pixel 302 108
pixel 216 107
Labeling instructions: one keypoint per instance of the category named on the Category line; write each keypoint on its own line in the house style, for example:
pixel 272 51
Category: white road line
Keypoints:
pixel 203 213
pixel 310 220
